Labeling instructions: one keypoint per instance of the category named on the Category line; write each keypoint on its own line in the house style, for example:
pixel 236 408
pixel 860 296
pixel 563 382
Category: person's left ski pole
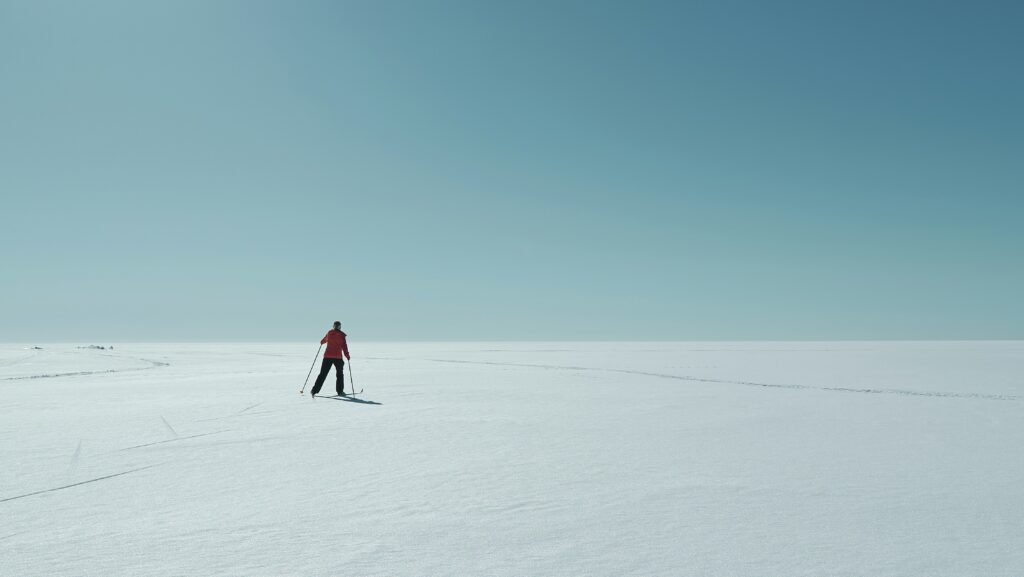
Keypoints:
pixel 303 391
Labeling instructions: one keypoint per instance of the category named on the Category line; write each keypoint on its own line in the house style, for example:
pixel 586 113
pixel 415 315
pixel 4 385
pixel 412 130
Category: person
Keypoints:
pixel 337 351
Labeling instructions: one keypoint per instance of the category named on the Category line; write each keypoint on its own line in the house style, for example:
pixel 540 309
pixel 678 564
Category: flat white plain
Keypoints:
pixel 605 459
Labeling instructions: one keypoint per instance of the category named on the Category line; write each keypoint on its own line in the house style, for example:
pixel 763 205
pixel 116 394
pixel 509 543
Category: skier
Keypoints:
pixel 336 347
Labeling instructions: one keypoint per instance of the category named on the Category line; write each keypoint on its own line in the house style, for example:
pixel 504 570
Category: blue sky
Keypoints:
pixel 520 170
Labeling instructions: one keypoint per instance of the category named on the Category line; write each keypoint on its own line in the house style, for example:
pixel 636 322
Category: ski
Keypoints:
pixel 348 395
pixel 351 396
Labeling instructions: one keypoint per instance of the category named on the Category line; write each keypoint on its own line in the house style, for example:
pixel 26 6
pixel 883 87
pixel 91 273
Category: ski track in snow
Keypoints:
pixel 243 412
pixel 173 440
pixel 73 466
pixel 900 392
pixel 76 484
pixel 234 415
pixel 153 365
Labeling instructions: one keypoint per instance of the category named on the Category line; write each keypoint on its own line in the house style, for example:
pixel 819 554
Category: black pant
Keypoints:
pixel 339 368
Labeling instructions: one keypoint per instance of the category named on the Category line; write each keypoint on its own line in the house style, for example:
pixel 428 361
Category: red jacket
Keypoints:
pixel 336 344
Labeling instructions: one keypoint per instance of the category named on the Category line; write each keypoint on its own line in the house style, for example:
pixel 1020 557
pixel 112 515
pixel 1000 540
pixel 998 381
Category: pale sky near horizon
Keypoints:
pixel 228 170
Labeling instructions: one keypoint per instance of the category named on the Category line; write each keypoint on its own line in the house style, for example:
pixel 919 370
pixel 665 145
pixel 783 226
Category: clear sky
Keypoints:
pixel 213 170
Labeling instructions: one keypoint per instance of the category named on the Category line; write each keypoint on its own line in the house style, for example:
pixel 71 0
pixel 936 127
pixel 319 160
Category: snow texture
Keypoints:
pixel 514 459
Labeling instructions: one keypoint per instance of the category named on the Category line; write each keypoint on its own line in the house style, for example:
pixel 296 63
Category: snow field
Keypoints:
pixel 860 458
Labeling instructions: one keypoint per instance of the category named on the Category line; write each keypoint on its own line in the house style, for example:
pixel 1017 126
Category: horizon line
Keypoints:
pixel 296 341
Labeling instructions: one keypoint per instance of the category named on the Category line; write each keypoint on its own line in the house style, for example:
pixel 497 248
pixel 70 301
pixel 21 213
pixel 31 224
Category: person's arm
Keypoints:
pixel 323 341
pixel 344 348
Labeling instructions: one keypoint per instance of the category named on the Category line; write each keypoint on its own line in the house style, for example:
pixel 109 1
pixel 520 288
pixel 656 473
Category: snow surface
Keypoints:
pixel 515 459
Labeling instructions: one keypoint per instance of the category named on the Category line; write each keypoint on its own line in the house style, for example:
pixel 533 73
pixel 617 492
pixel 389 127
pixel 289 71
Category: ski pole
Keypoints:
pixel 303 391
pixel 351 378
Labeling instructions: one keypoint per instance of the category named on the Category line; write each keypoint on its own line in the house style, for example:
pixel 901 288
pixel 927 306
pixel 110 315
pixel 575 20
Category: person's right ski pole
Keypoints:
pixel 303 391
pixel 351 378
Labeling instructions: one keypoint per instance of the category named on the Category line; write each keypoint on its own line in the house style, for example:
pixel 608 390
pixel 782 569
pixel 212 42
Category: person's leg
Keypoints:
pixel 339 384
pixel 325 367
